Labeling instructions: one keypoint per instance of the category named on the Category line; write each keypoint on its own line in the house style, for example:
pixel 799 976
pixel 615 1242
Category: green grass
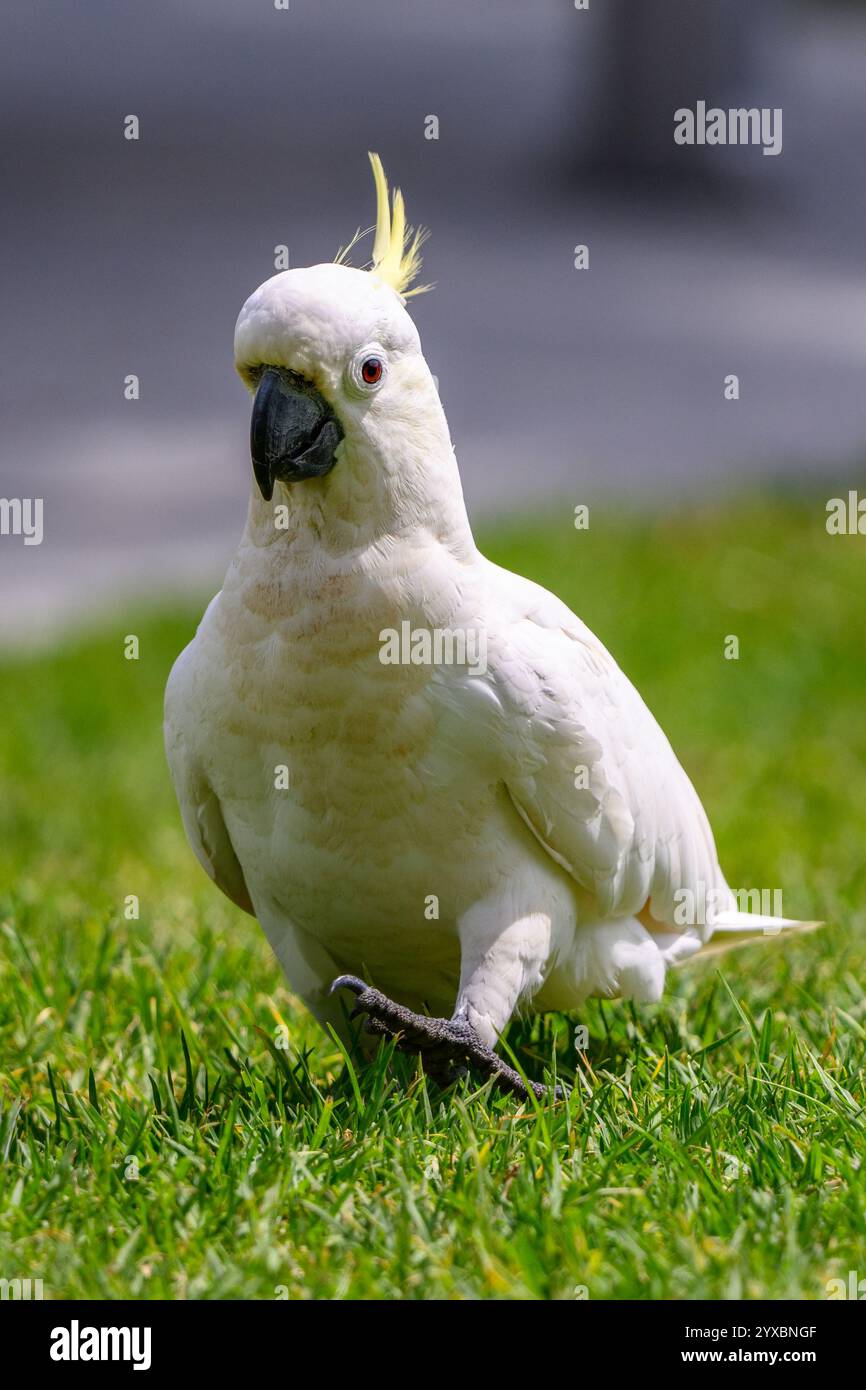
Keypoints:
pixel 155 1142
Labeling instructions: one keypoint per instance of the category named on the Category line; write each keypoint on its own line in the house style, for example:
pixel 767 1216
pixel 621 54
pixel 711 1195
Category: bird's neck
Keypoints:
pixel 365 556
pixel 358 508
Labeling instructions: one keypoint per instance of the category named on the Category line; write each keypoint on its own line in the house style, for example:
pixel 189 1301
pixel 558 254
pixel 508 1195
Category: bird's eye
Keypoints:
pixel 371 370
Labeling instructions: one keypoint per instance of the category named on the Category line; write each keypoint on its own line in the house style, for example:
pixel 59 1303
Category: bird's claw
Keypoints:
pixel 447 1046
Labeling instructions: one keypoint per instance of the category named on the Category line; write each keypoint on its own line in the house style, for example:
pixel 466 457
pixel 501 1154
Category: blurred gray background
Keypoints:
pixel 556 128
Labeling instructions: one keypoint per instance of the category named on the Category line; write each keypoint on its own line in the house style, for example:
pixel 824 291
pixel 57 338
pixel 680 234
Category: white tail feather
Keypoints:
pixel 732 929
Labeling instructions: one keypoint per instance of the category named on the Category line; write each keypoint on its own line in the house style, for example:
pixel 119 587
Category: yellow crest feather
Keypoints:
pixel 396 247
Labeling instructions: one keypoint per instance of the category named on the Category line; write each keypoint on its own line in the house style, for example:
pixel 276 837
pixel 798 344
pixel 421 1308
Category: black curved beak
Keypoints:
pixel 293 433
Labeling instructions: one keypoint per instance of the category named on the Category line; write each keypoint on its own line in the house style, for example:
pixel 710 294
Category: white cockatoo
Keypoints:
pixel 423 774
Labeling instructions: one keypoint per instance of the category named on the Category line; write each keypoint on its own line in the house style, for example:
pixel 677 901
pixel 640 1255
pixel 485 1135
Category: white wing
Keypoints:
pixel 199 806
pixel 592 774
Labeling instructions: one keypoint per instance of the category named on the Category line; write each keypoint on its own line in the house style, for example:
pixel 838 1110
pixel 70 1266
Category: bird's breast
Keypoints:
pixel 351 813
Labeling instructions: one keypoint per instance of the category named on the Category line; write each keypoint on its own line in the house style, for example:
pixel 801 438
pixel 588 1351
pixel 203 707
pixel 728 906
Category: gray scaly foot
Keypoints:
pixel 447 1046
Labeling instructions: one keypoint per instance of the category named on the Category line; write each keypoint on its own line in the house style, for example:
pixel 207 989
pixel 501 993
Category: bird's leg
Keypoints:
pixel 446 1045
pixel 504 947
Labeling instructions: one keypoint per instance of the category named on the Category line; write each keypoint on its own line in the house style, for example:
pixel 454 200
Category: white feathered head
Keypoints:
pixel 338 373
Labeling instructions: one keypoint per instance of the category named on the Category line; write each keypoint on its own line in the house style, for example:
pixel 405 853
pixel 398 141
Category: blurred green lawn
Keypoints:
pixel 155 1143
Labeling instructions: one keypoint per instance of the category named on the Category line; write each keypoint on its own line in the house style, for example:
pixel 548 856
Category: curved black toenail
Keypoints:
pixel 348 982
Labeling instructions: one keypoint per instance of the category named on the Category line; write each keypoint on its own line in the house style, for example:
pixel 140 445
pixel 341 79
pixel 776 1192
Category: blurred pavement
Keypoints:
pixel 135 257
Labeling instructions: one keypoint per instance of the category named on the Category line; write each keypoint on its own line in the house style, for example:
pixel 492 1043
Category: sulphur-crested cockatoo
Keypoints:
pixel 410 765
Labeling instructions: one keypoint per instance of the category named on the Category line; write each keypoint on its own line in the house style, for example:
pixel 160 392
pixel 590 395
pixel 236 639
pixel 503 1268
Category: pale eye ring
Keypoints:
pixel 367 369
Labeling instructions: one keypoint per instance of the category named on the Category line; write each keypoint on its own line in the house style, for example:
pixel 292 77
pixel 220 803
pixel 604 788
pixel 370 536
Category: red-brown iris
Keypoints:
pixel 371 371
